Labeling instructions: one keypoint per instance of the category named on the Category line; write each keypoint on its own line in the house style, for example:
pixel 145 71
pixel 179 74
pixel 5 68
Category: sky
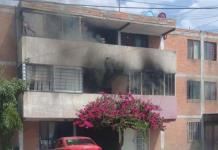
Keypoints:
pixel 206 20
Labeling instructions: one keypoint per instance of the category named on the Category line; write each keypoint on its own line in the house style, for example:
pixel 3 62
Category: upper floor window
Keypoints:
pixel 67 79
pixel 50 25
pixel 193 49
pixel 193 89
pixel 49 78
pixel 152 83
pixel 210 51
pixel 137 40
pixel 210 90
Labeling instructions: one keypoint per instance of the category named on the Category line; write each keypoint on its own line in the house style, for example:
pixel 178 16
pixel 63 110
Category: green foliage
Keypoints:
pixel 10 120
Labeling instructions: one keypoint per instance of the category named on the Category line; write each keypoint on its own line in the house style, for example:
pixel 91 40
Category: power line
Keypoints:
pixel 151 3
pixel 132 7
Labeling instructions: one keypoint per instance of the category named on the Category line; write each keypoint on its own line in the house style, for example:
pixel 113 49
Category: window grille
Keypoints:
pixel 140 140
pixel 68 79
pixel 49 78
pixel 152 83
pixel 194 131
pixel 38 77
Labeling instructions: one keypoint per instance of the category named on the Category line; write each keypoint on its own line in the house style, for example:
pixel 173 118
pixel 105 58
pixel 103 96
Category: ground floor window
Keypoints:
pixel 49 132
pixel 194 130
pixel 46 133
pixel 140 140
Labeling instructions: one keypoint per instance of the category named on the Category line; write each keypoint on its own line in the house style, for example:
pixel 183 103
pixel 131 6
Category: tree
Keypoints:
pixel 10 120
pixel 120 112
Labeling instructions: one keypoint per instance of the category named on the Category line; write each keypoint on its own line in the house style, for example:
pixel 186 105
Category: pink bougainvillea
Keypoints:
pixel 120 111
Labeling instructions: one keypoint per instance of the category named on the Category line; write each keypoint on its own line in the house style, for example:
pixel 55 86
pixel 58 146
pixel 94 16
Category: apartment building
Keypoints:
pixel 196 90
pixel 69 54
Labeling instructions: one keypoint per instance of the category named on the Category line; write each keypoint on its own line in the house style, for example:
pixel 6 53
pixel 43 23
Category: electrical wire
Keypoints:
pixel 151 3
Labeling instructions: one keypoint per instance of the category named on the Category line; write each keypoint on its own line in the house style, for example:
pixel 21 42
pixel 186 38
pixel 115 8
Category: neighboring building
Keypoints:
pixel 192 72
pixel 69 54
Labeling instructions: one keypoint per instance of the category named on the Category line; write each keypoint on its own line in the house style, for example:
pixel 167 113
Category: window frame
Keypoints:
pixel 193 131
pixel 67 67
pixel 211 84
pixel 189 83
pixel 190 52
pixel 206 51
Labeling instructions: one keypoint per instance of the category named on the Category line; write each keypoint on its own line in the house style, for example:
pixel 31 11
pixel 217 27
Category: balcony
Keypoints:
pixel 55 105
pixel 94 55
pixel 93 67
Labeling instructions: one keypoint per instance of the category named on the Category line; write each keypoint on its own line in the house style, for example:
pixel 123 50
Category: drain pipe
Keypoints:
pixel 202 89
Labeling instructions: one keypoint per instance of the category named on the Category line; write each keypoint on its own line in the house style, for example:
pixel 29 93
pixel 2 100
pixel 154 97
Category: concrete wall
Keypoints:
pixel 48 105
pixel 93 55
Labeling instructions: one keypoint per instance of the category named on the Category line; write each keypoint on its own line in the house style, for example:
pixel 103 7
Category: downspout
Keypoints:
pixel 202 89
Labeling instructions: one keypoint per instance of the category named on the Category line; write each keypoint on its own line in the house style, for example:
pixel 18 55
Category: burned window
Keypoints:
pixel 50 25
pixel 137 40
pixel 169 85
pixel 210 90
pixel 98 34
pixel 194 131
pixel 152 83
pixel 53 26
pixel 193 49
pixel 136 82
pixel 210 51
pixel 193 89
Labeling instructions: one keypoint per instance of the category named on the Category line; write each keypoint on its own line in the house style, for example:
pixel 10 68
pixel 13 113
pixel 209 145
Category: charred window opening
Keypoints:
pixel 96 81
pixel 98 34
pixel 50 25
pixel 152 83
pixel 111 79
pixel 137 40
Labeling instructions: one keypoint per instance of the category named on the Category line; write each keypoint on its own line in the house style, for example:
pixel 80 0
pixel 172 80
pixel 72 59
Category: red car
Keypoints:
pixel 76 143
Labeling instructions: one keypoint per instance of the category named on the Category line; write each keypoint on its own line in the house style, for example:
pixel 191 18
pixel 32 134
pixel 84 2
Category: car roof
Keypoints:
pixel 75 137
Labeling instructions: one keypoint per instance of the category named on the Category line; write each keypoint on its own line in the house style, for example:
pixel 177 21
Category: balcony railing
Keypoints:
pixel 83 80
